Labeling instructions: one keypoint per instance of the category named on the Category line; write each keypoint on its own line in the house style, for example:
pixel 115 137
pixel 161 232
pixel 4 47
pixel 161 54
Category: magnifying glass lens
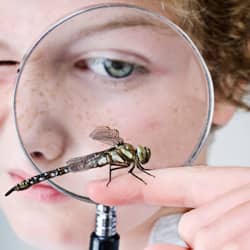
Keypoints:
pixel 109 91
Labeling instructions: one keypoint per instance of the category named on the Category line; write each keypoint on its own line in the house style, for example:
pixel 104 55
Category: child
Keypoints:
pixel 220 30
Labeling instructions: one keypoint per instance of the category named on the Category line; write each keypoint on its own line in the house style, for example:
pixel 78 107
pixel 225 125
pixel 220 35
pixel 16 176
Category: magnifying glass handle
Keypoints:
pixel 104 243
pixel 105 236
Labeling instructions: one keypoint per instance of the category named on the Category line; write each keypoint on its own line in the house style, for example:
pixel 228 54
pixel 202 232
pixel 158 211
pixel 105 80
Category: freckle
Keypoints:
pixel 176 110
pixel 41 94
pixel 85 100
pixel 79 116
pixel 33 89
pixel 40 112
pixel 87 115
pixel 30 124
pixel 68 102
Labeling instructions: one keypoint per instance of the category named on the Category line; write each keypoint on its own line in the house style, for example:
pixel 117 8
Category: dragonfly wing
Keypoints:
pixel 106 135
pixel 77 164
pixel 83 163
pixel 75 160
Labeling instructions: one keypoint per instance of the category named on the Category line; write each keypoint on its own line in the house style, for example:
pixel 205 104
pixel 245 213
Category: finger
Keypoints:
pixel 165 247
pixel 240 243
pixel 178 187
pixel 215 235
pixel 196 219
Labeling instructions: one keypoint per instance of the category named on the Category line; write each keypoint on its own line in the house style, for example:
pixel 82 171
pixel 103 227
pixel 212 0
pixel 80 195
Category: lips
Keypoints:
pixel 40 192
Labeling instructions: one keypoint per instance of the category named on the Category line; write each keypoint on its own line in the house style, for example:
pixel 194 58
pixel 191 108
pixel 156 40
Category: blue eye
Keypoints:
pixel 109 67
pixel 118 69
pixel 113 68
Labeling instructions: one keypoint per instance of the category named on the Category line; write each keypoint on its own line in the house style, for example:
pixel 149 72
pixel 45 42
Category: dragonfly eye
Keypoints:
pixel 148 153
pixel 143 154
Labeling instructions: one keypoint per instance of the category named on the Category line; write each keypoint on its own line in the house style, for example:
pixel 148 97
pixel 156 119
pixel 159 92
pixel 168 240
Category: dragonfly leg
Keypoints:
pixel 109 159
pixel 139 166
pixel 116 168
pixel 131 172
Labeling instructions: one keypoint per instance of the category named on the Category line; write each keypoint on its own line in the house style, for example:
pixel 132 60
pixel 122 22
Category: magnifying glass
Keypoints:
pixel 111 89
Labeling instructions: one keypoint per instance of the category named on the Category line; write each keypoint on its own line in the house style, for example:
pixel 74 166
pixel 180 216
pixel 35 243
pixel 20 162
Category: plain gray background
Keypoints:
pixel 230 148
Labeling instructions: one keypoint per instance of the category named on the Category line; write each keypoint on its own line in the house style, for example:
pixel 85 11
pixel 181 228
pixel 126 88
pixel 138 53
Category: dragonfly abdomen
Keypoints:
pixel 25 184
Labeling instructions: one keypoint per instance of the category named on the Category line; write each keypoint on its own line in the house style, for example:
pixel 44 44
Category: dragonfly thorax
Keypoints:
pixel 128 150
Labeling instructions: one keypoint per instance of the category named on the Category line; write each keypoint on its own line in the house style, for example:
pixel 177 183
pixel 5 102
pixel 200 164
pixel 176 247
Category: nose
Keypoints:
pixel 39 117
pixel 44 141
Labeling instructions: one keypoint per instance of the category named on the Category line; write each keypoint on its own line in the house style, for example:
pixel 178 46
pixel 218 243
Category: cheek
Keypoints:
pixel 3 114
pixel 5 104
pixel 169 127
pixel 7 79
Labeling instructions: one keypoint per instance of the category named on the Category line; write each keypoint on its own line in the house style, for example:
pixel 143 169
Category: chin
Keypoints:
pixel 44 233
pixel 46 226
pixel 64 224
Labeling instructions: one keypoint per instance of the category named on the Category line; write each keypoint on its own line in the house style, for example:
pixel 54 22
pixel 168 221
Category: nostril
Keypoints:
pixel 36 154
pixel 45 143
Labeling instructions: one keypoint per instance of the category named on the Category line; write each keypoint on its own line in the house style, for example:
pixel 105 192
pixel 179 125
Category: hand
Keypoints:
pixel 219 196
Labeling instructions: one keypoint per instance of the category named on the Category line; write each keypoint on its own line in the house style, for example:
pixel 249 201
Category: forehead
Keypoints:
pixel 21 22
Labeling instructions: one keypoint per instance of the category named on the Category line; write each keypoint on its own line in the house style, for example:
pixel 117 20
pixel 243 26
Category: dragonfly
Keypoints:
pixel 120 155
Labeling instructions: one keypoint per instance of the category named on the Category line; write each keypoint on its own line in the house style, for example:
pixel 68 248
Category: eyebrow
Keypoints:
pixel 127 22
pixel 154 24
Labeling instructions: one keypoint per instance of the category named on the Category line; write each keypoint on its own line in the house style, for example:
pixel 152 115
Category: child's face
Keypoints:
pixel 58 220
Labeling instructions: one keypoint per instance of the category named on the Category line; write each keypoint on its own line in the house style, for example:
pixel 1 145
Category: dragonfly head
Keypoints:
pixel 143 154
